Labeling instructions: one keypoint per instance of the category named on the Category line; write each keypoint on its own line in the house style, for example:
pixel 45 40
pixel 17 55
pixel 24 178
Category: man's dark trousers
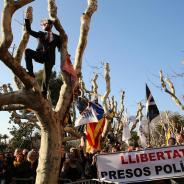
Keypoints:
pixel 40 57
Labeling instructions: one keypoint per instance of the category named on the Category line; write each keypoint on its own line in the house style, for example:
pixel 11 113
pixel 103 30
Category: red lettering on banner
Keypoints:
pixel 152 156
pixel 168 152
pixel 137 158
pixel 144 157
pixel 176 154
pixel 182 150
pixel 160 155
pixel 130 160
pixel 123 160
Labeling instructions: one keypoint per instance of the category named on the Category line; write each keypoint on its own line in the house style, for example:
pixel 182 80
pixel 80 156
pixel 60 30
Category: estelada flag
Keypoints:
pixel 93 136
pixel 68 67
pixel 94 130
pixel 151 107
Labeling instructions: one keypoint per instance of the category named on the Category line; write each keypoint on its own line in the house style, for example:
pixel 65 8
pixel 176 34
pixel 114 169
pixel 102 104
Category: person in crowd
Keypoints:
pixel 3 168
pixel 104 150
pixel 179 139
pixel 9 158
pixel 114 149
pixel 90 167
pixel 25 152
pixel 17 151
pixel 32 158
pixel 63 157
pixel 72 168
pixel 20 168
pixel 171 141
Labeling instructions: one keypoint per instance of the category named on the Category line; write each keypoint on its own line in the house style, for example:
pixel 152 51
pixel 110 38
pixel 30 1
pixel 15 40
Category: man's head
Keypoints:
pixel 46 24
pixel 171 141
pixel 179 138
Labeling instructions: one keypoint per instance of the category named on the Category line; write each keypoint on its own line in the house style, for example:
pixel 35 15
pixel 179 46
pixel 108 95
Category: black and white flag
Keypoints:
pixel 151 107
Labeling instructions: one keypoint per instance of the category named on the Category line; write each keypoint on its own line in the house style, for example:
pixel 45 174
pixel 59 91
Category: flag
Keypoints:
pixel 93 136
pixel 98 109
pixel 87 116
pixel 151 108
pixel 141 135
pixel 68 67
pixel 94 130
pixel 126 130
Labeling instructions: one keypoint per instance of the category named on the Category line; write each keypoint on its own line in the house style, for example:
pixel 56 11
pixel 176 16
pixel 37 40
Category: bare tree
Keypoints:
pixel 51 121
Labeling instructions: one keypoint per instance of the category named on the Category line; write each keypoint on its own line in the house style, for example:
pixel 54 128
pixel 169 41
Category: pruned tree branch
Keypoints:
pixel 171 90
pixel 95 85
pixel 67 88
pixel 9 8
pixel 107 92
pixel 22 45
pixel 85 25
pixel 139 116
pixel 21 99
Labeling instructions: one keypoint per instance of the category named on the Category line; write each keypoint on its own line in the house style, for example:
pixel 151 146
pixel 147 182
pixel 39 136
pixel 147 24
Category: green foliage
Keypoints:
pixel 22 135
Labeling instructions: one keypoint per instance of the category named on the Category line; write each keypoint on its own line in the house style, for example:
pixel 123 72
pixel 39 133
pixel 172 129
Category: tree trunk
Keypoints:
pixel 49 154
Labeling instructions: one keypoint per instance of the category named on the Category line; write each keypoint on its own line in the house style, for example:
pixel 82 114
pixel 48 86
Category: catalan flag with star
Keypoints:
pixel 94 130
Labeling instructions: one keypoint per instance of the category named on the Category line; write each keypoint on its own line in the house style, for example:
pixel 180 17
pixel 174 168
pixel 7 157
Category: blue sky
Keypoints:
pixel 137 38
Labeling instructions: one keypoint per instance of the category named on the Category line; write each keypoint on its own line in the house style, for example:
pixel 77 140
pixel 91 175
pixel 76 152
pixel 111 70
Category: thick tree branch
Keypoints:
pixel 67 89
pixel 22 45
pixel 9 8
pixel 20 3
pixel 21 98
pixel 84 29
pixel 20 72
pixel 5 56
pixel 25 38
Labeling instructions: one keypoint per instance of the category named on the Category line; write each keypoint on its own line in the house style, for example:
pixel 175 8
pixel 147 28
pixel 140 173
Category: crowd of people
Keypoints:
pixel 20 164
pixel 75 163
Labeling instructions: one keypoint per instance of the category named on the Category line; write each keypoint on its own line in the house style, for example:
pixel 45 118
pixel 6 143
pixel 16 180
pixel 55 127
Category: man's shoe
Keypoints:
pixel 44 94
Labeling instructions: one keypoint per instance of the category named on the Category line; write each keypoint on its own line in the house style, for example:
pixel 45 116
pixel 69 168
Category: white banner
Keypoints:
pixel 137 166
pixel 88 116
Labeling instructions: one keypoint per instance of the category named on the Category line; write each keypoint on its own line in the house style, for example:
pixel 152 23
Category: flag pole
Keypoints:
pixel 149 135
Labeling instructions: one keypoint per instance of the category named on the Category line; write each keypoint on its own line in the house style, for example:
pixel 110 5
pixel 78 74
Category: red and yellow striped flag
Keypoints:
pixel 93 136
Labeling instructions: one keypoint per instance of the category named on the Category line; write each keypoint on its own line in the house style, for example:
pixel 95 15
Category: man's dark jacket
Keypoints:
pixel 43 44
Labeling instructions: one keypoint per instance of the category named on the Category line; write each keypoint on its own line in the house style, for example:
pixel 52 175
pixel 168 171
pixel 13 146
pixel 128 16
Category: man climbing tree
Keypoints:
pixel 45 52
